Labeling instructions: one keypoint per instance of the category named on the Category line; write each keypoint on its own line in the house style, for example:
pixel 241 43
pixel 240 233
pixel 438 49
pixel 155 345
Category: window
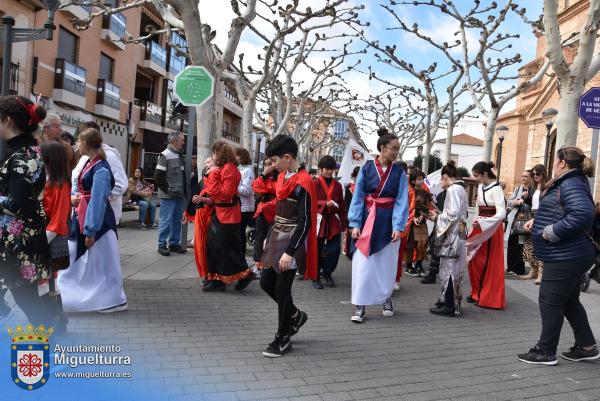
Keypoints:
pixel 341 129
pixel 177 60
pixel 67 46
pixel 338 152
pixel 106 67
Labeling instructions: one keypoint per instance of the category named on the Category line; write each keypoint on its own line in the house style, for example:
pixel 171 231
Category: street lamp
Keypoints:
pixel 549 115
pixel 501 131
pixel 10 35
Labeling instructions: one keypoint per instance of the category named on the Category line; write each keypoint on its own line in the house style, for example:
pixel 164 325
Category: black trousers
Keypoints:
pixel 246 220
pixel 559 299
pixel 279 287
pixel 262 229
pixel 329 254
pixel 28 299
pixel 514 256
pixel 434 266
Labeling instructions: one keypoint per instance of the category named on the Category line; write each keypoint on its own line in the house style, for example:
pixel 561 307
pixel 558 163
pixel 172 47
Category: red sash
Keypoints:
pixel 85 195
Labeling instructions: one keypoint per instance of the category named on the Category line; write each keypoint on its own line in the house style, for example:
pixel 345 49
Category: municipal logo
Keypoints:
pixel 30 356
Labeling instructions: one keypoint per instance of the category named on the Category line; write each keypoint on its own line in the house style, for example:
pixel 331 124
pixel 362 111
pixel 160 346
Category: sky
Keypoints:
pixel 420 54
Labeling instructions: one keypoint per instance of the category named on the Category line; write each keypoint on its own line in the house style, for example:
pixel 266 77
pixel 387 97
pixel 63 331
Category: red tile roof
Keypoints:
pixel 463 139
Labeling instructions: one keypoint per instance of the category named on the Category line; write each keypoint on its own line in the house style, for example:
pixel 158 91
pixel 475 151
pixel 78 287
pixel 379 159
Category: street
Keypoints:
pixel 190 345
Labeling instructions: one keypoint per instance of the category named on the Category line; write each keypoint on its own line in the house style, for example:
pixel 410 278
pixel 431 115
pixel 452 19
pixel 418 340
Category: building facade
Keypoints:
pixel 529 141
pixel 466 150
pixel 127 88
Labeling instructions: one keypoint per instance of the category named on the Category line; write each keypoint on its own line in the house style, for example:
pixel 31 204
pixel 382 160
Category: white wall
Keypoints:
pixel 468 155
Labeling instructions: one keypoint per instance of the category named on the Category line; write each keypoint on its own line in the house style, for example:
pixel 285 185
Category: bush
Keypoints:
pixel 435 163
pixel 463 172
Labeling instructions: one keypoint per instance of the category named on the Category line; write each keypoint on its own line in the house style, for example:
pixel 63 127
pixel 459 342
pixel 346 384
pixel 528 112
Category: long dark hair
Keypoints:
pixel 56 162
pixel 484 167
pixel 24 114
pixel 540 169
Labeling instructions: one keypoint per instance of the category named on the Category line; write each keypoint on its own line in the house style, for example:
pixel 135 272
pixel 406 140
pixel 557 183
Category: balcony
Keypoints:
pixel 150 115
pixel 113 29
pixel 108 99
pixel 69 83
pixel 79 12
pixel 155 62
pixel 230 136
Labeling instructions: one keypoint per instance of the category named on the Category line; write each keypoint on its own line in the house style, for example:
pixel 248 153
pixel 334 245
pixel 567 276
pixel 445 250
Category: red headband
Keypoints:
pixel 34 118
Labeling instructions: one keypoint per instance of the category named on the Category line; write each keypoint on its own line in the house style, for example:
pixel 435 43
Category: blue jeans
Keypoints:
pixel 147 207
pixel 169 228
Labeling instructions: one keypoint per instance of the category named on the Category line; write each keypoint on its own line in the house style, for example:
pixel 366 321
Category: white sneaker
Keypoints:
pixel 359 314
pixel 397 286
pixel 388 308
pixel 118 308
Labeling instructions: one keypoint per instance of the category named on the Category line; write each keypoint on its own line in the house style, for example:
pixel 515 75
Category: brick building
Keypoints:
pixel 126 88
pixel 526 142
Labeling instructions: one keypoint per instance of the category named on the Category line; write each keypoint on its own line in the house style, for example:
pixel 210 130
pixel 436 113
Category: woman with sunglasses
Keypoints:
pixel 560 233
pixel 533 200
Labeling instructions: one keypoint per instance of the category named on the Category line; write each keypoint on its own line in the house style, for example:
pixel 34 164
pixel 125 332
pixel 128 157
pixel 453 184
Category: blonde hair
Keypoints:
pixel 93 140
pixel 575 158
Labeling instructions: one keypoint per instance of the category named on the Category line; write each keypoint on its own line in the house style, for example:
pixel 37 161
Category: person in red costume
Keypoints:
pixel 332 220
pixel 292 242
pixel 201 220
pixel 224 258
pixel 264 192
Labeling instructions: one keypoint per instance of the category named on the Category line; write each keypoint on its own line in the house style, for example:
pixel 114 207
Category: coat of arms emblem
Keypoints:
pixel 30 356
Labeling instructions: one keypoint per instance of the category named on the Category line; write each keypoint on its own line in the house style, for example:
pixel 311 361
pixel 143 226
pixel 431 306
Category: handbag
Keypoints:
pixel 522 217
pixel 59 253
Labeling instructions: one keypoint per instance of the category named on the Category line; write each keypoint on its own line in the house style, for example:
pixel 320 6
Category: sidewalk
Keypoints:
pixel 197 346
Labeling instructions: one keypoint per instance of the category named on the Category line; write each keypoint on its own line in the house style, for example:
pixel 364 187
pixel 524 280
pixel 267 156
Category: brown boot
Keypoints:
pixel 533 273
pixel 538 280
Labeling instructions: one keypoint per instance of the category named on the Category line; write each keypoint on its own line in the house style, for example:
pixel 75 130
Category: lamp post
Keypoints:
pixel 549 115
pixel 501 131
pixel 9 35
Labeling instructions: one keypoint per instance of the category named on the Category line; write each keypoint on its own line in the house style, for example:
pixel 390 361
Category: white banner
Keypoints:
pixel 433 182
pixel 355 155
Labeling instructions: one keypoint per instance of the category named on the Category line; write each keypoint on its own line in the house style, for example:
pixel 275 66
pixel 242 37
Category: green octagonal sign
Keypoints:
pixel 194 86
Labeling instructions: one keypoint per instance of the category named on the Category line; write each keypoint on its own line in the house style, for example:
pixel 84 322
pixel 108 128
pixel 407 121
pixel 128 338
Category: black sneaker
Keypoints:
pixel 443 310
pixel 576 354
pixel 470 299
pixel 419 269
pixel 278 347
pixel 298 322
pixel 177 249
pixel 428 279
pixel 164 251
pixel 317 284
pixel 214 286
pixel 537 357
pixel 329 281
pixel 359 314
pixel 204 282
pixel 143 226
pixel 388 307
pixel 245 282
pixel 411 271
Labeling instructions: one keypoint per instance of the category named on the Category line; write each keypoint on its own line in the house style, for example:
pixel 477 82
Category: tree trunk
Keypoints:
pixel 449 135
pixel 567 121
pixel 247 122
pixel 206 127
pixel 490 130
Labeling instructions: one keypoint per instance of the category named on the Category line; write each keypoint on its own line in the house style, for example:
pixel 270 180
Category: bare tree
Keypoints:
pixel 573 77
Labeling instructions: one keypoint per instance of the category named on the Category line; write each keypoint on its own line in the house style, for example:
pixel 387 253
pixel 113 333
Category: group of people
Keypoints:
pixel 58 243
pixel 60 206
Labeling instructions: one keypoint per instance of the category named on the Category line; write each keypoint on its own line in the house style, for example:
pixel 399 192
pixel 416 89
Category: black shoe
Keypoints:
pixel 443 311
pixel 317 284
pixel 411 271
pixel 278 348
pixel 245 282
pixel 214 286
pixel 164 251
pixel 537 357
pixel 329 281
pixel 428 279
pixel 204 282
pixel 177 249
pixel 359 314
pixel 576 354
pixel 300 276
pixel 470 299
pixel 419 269
pixel 438 304
pixel 298 322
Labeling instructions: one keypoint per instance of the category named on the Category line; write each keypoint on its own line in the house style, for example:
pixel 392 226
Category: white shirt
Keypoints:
pixel 491 195
pixel 535 201
pixel 245 188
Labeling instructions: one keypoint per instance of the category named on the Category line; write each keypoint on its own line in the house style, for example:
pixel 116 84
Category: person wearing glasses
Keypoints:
pixel 377 215
pixel 539 182
pixel 517 204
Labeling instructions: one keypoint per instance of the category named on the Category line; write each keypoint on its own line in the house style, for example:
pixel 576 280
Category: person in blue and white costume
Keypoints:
pixel 377 216
pixel 93 282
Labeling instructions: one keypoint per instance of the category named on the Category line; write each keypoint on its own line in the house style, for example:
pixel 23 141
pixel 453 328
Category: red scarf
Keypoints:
pixel 285 187
pixel 328 189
